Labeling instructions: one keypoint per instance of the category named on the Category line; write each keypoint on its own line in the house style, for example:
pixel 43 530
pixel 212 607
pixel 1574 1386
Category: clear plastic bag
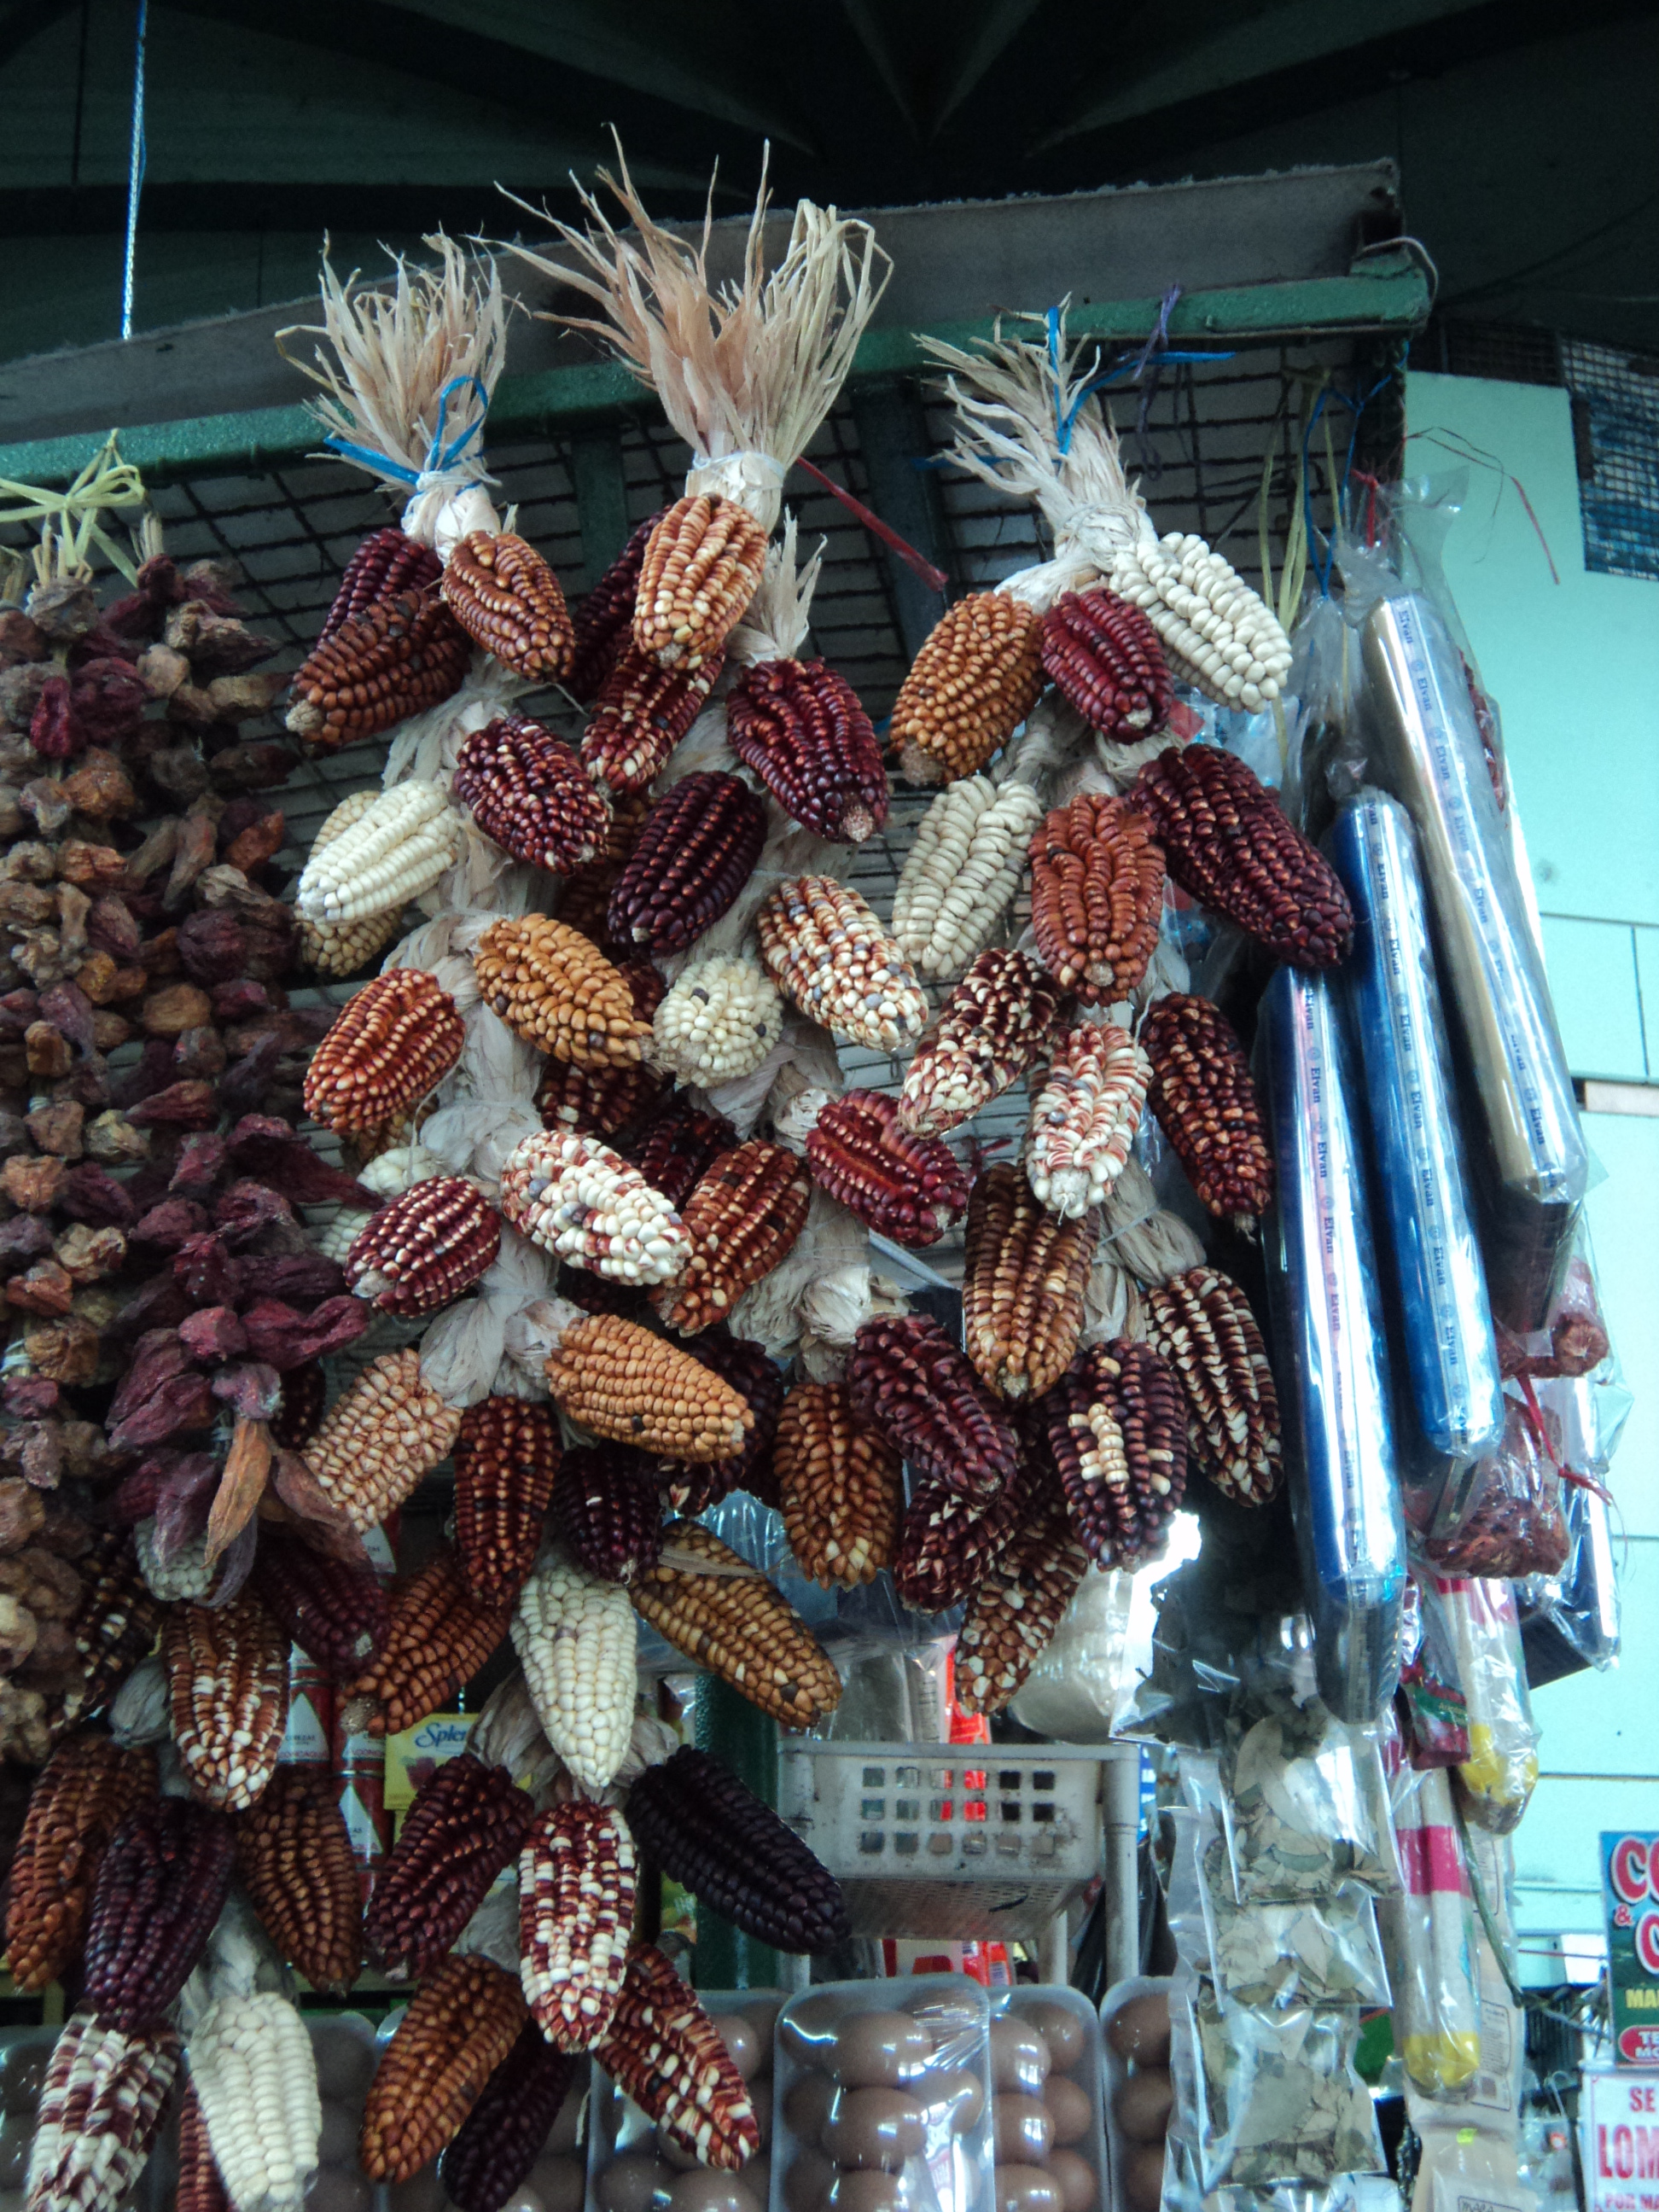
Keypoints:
pixel 1305 1805
pixel 1078 1686
pixel 1504 1515
pixel 1496 1783
pixel 1428 1933
pixel 1571 1619
pixel 1277 2096
pixel 1430 1712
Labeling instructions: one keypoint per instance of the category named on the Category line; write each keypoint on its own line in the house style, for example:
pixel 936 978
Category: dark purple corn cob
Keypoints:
pixel 697 850
pixel 1104 657
pixel 679 1147
pixel 467 1822
pixel 909 1188
pixel 604 620
pixel 334 1610
pixel 305 1393
pixel 607 1510
pixel 507 1458
pixel 907 1380
pixel 386 562
pixel 529 793
pixel 501 2137
pixel 1115 1429
pixel 162 1884
pixel 948 1543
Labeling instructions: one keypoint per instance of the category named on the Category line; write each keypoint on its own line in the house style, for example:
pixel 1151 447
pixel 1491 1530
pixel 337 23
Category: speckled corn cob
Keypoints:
pixel 186 1574
pixel 377 1441
pixel 390 1044
pixel 1015 1609
pixel 506 1457
pixel 557 991
pixel 507 599
pixel 440 1638
pixel 972 685
pixel 80 1797
pixel 642 711
pixel 605 618
pixel 691 1489
pixel 114 1625
pixel 947 1542
pixel 680 1147
pixel 826 951
pixel 584 897
pixel 1096 896
pixel 607 1511
pixel 501 2137
pixel 294 1858
pixel 384 564
pixel 1229 845
pixel 738 1626
pixel 1104 657
pixel 398 657
pixel 200 2188
pixel 698 1822
pixel 801 727
pixel 334 1609
pixel 424 1249
pixel 1085 1117
pixel 719 1021
pixel 697 850
pixel 840 1487
pixel 602 1102
pixel 529 794
pixel 162 1885
pixel 227 1675
pixel 100 2108
pixel 616 1379
pixel 1206 1104
pixel 576 1198
pixel 1116 1427
pixel 743 1217
pixel 999 1022
pixel 467 1822
pixel 1202 1324
pixel 576 1879
pixel 395 849
pixel 252 2069
pixel 1023 1275
pixel 455 2033
pixel 663 2050
pixel 963 872
pixel 340 948
pixel 910 1188
pixel 575 1639
pixel 702 566
pixel 1216 631
pixel 909 1381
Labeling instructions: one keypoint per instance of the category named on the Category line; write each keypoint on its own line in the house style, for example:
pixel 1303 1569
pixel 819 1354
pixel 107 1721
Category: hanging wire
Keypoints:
pixel 136 164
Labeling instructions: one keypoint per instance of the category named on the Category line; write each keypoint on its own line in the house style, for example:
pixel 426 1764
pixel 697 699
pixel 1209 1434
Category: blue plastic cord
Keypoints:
pixel 439 457
pixel 138 160
pixel 1156 351
pixel 1357 408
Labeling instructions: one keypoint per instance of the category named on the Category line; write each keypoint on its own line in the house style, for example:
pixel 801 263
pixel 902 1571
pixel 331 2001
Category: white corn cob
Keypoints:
pixel 396 849
pixel 186 1574
pixel 828 953
pixel 334 1239
pixel 100 2109
pixel 576 1878
pixel 398 1170
pixel 719 1021
pixel 1085 1117
pixel 252 2068
pixel 1217 633
pixel 340 948
pixel 574 1637
pixel 963 872
pixel 576 1197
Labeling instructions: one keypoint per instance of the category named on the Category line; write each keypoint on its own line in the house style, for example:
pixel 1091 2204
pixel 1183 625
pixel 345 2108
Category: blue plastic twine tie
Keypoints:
pixel 439 458
pixel 1154 353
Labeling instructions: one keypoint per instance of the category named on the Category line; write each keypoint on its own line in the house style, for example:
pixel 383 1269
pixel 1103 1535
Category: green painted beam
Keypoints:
pixel 1386 298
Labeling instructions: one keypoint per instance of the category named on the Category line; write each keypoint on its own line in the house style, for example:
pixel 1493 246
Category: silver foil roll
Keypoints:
pixel 1330 1352
pixel 1520 1116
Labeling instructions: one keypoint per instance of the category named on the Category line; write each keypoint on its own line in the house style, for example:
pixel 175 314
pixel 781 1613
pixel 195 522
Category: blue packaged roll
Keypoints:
pixel 1397 1022
pixel 1331 1354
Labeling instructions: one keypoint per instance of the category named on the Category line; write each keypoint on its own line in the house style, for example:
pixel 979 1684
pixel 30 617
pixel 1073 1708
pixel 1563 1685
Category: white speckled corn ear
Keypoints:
pixel 1216 632
pixel 963 872
pixel 576 1197
pixel 717 1021
pixel 1084 1117
pixel 396 849
pixel 574 1636
pixel 576 1878
pixel 101 2107
pixel 255 2077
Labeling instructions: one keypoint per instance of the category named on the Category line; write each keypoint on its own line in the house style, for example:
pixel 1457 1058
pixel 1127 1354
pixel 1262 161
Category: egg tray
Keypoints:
pixel 1117 2067
pixel 1030 2003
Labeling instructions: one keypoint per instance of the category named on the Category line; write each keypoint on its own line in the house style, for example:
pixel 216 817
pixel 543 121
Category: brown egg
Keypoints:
pixel 336 2140
pixel 1140 2029
pixel 807 2026
pixel 742 2044
pixel 1143 2104
pixel 1024 2131
pixel 338 2189
pixel 872 2191
pixel 807 2108
pixel 874 2128
pixel 673 2154
pixel 761 2014
pixel 565 2133
pixel 424 2192
pixel 806 2181
pixel 1068 2108
pixel 708 2192
pixel 1019 2058
pixel 1064 2031
pixel 880 2051
pixel 560 2183
pixel 1143 2177
pixel 634 2183
pixel 1078 2184
pixel 760 2096
pixel 960 2088
pixel 1025 2188
pixel 757 2178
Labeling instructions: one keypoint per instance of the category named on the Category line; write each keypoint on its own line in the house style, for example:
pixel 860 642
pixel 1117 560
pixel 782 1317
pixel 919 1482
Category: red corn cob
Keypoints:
pixel 501 2137
pixel 1015 1609
pixel 909 1188
pixel 1104 656
pixel 468 1822
pixel 305 1394
pixel 228 1676
pixel 947 1543
pixel 1206 1104
pixel 801 728
pixel 743 1217
pixel 334 1610
pixel 200 2187
pixel 1096 896
pixel 663 2052
pixel 529 793
pixel 907 1380
pixel 697 850
pixel 607 1510
pixel 507 1456
pixel 422 1249
pixel 114 1625
pixel 455 2033
pixel 385 564
pixel 1201 1322
pixel 439 1638
pixel 162 1884
pixel 80 1798
pixel 576 1878
pixel 398 657
pixel 294 1858
pixel 641 715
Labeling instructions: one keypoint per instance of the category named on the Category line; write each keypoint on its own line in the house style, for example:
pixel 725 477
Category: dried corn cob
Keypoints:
pixel 1084 1117
pixel 385 564
pixel 575 1908
pixel 972 685
pixel 507 599
pixel 398 657
pixel 305 1394
pixel 377 1441
pixel 186 1574
pixel 963 872
pixel 334 1609
pixel 1023 1275
pixel 1229 845
pixel 742 1218
pixel 114 1625
pixel 909 1381
pixel 395 849
pixel 607 1512
pixel 340 948
pixel 390 1044
pixel 1215 630
pixel 1104 656
pixel 702 566
pixel 576 1198
pixel 697 850
pixel 455 2033
pixel 80 1798
pixel 680 1147
pixel 529 793
pixel 200 2186
pixel 719 1021
pixel 998 1022
pixel 585 894
pixel 725 1615
pixel 550 985
pixel 1116 1426
pixel 602 1102
pixel 642 711
pixel 947 1543
pixel 663 2050
pixel 1096 896
pixel 162 1884
pixel 507 1455
pixel 1206 1106
pixel 253 2072
pixel 801 727
pixel 1202 1324
pixel 439 1639
pixel 100 2109
pixel 604 619
pixel 910 1188
pixel 501 2137
pixel 575 1639
pixel 294 1858
pixel 697 1822
pixel 691 1489
pixel 826 951
pixel 467 1822
pixel 618 1380
pixel 423 1251
pixel 228 1675
pixel 841 1488
pixel 1015 1609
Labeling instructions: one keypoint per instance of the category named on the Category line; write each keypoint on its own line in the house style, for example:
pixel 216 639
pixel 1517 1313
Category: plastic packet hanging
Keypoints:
pixel 1574 1337
pixel 1393 1004
pixel 1331 1353
pixel 1503 1516
pixel 1495 1783
pixel 1078 1685
pixel 1278 2097
pixel 1305 1807
pixel 1427 1931
pixel 1571 1619
pixel 1430 1712
pixel 1529 1162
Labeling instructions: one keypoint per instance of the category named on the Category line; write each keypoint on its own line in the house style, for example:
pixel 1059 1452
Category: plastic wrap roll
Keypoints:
pixel 1394 1001
pixel 1331 1355
pixel 1529 1157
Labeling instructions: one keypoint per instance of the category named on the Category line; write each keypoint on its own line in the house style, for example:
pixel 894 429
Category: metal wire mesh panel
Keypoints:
pixel 1617 394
